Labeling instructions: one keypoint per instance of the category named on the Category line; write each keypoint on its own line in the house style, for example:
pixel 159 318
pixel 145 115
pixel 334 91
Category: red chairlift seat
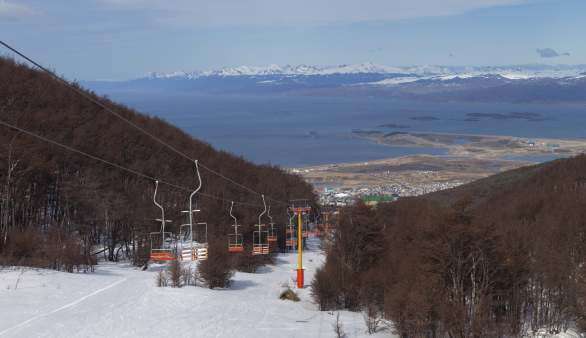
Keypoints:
pixel 162 255
pixel 235 243
pixel 161 247
pixel 236 249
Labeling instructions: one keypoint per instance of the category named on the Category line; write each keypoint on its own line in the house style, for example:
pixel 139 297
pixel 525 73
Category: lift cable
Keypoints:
pixel 115 165
pixel 111 111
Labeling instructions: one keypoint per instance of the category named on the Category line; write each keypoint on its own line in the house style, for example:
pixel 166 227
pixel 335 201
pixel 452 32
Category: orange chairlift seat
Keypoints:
pixel 162 249
pixel 260 243
pixel 235 242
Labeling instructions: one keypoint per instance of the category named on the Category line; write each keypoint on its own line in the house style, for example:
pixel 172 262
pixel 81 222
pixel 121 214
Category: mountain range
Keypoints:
pixel 512 72
pixel 524 83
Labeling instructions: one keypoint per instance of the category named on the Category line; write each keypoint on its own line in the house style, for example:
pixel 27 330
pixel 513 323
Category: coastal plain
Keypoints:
pixel 468 157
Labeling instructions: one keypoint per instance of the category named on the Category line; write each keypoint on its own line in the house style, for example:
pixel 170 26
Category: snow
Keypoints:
pixel 122 301
pixel 514 72
pixel 395 81
pixel 299 70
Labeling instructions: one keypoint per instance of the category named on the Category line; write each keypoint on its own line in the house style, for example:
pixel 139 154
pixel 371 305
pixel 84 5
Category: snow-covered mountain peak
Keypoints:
pixel 273 69
pixel 425 71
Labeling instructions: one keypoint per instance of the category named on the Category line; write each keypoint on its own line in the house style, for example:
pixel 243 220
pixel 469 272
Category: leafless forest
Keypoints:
pixel 499 257
pixel 56 205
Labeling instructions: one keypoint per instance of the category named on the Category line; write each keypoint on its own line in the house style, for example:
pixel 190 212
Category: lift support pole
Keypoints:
pixel 300 207
pixel 300 275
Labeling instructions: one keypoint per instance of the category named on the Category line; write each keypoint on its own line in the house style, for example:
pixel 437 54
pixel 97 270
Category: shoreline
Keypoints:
pixel 476 157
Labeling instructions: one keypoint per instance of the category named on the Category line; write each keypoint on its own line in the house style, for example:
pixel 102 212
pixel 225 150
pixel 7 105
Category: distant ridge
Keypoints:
pixel 512 71
pixel 516 83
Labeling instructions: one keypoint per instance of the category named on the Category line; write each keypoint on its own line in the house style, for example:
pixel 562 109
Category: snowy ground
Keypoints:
pixel 122 301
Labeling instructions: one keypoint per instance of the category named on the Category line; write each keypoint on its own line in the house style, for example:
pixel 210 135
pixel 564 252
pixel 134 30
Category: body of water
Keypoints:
pixel 306 130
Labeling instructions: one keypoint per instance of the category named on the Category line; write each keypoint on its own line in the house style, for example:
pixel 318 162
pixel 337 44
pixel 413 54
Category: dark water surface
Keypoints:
pixel 307 130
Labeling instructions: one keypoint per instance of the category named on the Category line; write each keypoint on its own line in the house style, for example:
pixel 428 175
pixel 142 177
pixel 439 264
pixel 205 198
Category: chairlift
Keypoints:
pixel 194 237
pixel 193 242
pixel 290 238
pixel 306 226
pixel 260 244
pixel 235 243
pixel 272 234
pixel 162 243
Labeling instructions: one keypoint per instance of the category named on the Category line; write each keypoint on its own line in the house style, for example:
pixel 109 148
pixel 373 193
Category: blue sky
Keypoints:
pixel 118 39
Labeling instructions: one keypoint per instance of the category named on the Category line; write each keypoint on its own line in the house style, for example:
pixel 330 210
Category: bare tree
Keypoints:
pixel 372 318
pixel 338 327
pixel 6 203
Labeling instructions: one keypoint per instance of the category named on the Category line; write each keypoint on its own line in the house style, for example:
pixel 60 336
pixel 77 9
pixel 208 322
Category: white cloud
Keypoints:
pixel 262 12
pixel 12 10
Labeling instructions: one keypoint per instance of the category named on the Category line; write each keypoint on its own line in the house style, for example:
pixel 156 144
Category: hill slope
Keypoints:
pixel 48 191
pixel 502 256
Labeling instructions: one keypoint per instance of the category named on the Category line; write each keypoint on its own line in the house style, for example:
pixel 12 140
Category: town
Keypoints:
pixel 371 195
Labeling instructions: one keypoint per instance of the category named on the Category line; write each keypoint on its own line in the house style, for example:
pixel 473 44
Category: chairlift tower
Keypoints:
pixel 300 208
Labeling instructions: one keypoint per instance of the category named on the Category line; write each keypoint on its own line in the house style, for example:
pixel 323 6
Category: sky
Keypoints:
pixel 122 39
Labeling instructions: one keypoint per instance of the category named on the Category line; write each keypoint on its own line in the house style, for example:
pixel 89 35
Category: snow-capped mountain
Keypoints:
pixel 428 71
pixel 306 70
pixel 513 83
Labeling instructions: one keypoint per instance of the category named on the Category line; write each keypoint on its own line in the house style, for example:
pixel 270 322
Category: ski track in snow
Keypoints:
pixel 126 303
pixel 66 306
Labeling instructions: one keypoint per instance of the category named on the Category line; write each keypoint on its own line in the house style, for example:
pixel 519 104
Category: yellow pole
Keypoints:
pixel 299 249
pixel 299 241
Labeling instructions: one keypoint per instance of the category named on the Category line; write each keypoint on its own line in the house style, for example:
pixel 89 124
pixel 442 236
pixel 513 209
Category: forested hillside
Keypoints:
pixel 56 204
pixel 500 257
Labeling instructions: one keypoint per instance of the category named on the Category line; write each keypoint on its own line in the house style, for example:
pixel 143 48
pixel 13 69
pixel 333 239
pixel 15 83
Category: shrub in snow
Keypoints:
pixel 324 290
pixel 56 249
pixel 289 295
pixel 216 271
pixel 175 274
pixel 141 251
pixel 161 279
pixel 189 276
pixel 372 318
pixel 249 263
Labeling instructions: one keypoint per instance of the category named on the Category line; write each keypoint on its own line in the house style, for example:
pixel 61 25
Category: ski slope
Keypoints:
pixel 119 300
